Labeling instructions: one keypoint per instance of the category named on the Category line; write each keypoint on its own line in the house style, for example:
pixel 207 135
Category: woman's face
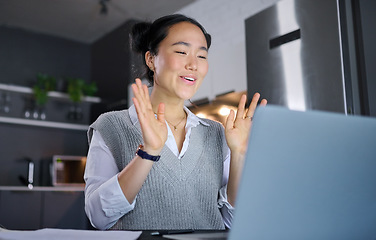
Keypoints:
pixel 181 62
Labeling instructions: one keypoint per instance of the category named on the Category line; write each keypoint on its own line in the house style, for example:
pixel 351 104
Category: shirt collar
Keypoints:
pixel 193 120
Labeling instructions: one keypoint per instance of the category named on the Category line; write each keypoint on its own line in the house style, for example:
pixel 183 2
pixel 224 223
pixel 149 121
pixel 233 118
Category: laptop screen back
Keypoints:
pixel 308 175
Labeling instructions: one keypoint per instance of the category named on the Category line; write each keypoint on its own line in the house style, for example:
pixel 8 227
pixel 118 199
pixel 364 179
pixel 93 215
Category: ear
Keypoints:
pixel 149 59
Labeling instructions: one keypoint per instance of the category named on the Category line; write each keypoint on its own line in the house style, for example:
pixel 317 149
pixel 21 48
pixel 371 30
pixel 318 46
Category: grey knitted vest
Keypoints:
pixel 178 193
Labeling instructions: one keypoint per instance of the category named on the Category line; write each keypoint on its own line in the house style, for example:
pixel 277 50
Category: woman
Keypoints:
pixel 157 165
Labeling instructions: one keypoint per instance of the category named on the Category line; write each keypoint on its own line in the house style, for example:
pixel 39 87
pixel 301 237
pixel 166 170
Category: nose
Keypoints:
pixel 191 63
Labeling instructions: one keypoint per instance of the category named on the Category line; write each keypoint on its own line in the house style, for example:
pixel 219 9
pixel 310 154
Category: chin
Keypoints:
pixel 187 96
pixel 186 93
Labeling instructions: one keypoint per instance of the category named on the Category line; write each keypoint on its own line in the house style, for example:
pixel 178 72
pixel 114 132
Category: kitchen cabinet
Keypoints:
pixel 20 209
pixel 64 209
pixel 43 207
pixel 36 139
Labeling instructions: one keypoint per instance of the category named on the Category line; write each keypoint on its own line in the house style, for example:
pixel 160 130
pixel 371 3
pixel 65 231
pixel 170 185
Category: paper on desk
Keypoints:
pixel 63 234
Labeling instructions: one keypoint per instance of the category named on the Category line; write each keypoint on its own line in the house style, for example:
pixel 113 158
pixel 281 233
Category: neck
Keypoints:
pixel 174 107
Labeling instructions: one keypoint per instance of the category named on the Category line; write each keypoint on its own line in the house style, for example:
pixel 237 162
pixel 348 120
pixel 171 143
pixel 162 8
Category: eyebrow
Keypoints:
pixel 188 45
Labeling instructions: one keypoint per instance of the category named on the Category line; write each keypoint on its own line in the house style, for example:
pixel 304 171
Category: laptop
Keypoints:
pixel 308 175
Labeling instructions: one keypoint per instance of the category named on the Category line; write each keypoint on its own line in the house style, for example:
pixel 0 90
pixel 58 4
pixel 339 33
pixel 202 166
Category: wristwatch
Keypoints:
pixel 145 155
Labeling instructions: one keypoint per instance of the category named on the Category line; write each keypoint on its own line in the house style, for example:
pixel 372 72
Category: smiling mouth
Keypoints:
pixel 189 79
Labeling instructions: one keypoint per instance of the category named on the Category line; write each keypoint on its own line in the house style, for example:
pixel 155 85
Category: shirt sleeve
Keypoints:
pixel 227 210
pixel 105 202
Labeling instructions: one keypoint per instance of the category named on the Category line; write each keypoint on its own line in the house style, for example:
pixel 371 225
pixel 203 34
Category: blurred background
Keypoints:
pixel 64 62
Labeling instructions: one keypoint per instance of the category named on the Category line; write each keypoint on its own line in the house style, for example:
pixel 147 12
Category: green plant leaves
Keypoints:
pixel 44 84
pixel 77 88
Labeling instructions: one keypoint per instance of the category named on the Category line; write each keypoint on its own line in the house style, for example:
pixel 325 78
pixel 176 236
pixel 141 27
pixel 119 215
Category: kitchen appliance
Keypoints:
pixel 29 181
pixel 68 170
pixel 313 55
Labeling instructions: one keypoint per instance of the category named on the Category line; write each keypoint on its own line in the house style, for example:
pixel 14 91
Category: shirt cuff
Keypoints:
pixel 112 199
pixel 226 208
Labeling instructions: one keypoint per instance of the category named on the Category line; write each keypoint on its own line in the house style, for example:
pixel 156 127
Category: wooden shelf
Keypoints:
pixel 41 123
pixel 53 94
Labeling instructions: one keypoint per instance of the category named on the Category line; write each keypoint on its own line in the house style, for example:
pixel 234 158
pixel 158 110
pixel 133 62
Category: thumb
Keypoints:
pixel 161 112
pixel 230 120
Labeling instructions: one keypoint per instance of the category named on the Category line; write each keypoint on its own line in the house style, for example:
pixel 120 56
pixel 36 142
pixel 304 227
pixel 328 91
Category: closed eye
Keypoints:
pixel 203 57
pixel 180 52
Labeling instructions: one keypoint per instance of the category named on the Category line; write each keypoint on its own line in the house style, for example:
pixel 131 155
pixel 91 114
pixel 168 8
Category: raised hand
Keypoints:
pixel 238 126
pixel 237 129
pixel 154 130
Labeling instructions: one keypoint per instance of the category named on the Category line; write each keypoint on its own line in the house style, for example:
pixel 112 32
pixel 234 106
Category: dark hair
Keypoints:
pixel 146 36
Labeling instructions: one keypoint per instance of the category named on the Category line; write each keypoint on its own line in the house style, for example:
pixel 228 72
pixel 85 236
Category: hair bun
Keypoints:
pixel 140 38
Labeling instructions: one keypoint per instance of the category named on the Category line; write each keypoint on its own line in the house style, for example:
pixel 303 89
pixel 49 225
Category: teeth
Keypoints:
pixel 189 79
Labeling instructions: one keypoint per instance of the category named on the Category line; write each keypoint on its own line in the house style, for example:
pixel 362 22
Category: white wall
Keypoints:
pixel 224 20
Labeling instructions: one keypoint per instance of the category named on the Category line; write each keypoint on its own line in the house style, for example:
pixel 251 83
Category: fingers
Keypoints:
pixel 141 93
pixel 263 102
pixel 241 107
pixel 242 112
pixel 140 90
pixel 137 88
pixel 253 105
pixel 137 105
pixel 147 98
pixel 143 104
pixel 138 93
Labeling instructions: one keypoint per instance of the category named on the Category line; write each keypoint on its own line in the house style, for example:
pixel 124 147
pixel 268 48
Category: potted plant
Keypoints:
pixel 44 84
pixel 77 89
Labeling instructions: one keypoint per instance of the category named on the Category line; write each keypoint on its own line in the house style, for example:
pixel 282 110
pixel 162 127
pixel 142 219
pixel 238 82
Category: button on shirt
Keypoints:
pixel 105 202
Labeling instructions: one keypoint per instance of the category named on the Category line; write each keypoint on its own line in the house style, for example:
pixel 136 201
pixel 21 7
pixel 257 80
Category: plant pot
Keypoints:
pixel 75 113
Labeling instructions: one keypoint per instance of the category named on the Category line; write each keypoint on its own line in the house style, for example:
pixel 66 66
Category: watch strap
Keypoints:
pixel 145 155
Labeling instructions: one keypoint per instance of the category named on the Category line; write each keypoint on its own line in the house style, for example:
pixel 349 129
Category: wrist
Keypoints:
pixel 237 157
pixel 150 150
pixel 148 155
pixel 239 151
